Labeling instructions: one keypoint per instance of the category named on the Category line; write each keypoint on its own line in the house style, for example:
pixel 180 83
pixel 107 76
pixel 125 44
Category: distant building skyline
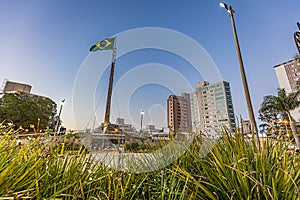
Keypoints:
pixel 208 109
pixel 44 43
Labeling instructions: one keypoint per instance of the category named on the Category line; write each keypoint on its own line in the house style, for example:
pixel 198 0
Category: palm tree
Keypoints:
pixel 282 104
pixel 270 115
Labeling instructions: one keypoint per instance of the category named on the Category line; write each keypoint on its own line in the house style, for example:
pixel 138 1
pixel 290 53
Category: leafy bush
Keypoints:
pixel 136 147
pixel 233 169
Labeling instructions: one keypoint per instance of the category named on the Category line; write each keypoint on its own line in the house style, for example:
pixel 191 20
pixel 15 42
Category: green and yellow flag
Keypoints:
pixel 106 44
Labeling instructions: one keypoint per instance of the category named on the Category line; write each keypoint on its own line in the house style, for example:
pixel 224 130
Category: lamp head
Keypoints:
pixel 142 112
pixel 223 5
pixel 229 9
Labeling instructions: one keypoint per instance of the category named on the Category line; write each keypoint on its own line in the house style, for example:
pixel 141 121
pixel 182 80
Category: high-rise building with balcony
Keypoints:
pixel 174 116
pixel 179 113
pixel 288 74
pixel 212 108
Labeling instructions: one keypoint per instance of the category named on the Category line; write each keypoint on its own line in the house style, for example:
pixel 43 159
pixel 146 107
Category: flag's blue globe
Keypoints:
pixel 103 43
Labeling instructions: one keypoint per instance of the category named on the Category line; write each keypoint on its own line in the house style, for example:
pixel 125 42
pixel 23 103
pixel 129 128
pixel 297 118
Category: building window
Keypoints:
pixel 220 98
pixel 218 89
pixel 219 94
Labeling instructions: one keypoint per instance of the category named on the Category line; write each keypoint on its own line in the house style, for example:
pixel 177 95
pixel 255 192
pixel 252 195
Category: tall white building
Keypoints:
pixel 288 74
pixel 212 108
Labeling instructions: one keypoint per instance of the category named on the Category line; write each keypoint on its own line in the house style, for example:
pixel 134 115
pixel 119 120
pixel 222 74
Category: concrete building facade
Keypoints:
pixel 179 113
pixel 185 110
pixel 124 127
pixel 246 126
pixel 212 108
pixel 288 74
pixel 173 112
pixel 10 87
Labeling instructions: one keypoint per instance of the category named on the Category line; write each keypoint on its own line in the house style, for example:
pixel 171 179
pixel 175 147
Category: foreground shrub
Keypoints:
pixel 233 169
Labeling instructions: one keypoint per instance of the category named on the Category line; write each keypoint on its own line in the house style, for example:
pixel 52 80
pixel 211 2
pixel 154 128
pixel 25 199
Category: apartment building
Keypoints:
pixel 288 74
pixel 179 113
pixel 212 108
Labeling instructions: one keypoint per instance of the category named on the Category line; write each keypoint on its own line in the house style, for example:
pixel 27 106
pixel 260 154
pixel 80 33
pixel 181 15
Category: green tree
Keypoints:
pixel 281 106
pixel 270 115
pixel 24 109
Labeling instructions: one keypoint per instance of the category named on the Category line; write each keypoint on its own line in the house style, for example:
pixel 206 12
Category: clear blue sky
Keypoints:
pixel 44 43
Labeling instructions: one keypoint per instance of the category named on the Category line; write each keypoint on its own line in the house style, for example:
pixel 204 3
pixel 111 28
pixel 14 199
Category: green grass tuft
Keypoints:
pixel 233 169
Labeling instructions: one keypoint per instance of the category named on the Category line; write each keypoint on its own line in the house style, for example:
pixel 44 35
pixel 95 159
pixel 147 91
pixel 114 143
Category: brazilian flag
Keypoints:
pixel 106 44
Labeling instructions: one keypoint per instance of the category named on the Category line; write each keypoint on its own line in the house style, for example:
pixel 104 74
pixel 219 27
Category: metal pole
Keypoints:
pixel 109 93
pixel 244 80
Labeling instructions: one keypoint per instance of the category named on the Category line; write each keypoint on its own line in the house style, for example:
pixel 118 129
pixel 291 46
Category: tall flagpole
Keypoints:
pixel 109 92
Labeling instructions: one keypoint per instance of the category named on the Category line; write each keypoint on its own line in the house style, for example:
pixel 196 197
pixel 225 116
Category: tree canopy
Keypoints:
pixel 24 109
pixel 280 106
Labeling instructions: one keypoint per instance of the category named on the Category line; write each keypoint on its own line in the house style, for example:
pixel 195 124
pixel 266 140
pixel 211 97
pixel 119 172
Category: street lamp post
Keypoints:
pixel 58 120
pixel 242 70
pixel 142 114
